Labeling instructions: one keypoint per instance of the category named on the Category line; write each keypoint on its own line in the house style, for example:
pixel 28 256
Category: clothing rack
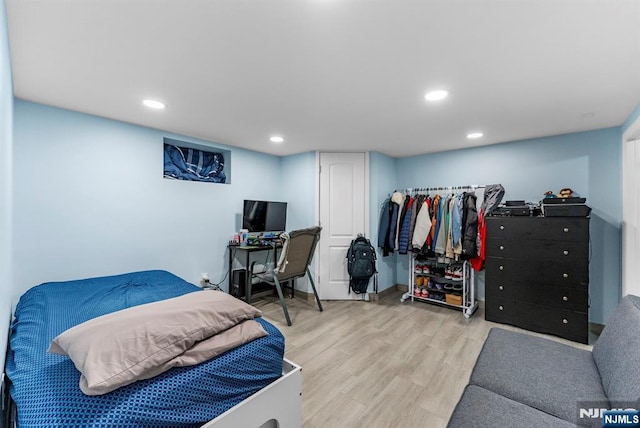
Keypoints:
pixel 468 303
pixel 441 188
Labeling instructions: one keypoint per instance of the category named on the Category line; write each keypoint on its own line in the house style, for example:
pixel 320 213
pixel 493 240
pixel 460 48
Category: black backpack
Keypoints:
pixel 361 264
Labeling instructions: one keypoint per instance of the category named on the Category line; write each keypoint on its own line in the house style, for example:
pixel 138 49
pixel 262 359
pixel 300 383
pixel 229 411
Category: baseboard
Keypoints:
pixel 596 328
pixel 309 297
pixel 375 297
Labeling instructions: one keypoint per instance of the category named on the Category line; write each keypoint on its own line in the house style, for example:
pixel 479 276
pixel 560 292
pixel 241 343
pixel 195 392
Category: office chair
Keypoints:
pixel 295 257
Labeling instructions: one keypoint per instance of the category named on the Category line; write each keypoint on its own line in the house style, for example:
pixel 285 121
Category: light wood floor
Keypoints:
pixel 383 363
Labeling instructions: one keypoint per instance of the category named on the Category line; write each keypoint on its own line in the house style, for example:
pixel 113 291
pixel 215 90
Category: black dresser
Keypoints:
pixel 537 274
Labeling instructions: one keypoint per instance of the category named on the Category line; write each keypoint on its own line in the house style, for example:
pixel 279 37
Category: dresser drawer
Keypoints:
pixel 533 228
pixel 544 319
pixel 574 274
pixel 560 251
pixel 540 294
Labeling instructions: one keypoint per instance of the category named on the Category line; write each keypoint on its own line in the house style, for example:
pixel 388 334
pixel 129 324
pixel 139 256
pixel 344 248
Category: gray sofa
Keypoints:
pixel 523 380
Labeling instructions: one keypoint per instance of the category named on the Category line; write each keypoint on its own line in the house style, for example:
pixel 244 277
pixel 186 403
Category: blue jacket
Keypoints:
pixel 383 227
pixel 405 229
pixel 456 219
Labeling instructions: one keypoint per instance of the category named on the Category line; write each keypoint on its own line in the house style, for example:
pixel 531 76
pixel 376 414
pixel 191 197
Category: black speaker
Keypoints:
pixel 238 283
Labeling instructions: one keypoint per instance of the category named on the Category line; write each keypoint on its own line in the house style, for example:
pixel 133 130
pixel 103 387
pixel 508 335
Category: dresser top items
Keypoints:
pixel 565 204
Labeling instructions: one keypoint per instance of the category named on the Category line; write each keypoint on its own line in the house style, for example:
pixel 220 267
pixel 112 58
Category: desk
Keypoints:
pixel 248 274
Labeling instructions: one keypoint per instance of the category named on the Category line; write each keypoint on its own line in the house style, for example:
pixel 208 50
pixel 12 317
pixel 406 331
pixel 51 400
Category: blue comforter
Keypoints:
pixel 45 386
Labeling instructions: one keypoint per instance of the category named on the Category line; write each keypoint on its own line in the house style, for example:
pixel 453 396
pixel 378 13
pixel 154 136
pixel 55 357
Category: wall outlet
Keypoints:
pixel 204 279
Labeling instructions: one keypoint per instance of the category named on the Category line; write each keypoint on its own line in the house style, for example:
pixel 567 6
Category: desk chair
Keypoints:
pixel 295 257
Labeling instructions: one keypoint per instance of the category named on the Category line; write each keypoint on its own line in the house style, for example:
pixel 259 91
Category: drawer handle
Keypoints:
pixel 564 321
pixel 566 229
pixel 565 275
pixel 565 252
pixel 501 308
pixel 501 227
pixel 502 247
pixel 565 298
pixel 501 268
pixel 501 288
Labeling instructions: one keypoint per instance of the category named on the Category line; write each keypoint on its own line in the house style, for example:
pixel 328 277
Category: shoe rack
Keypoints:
pixel 442 282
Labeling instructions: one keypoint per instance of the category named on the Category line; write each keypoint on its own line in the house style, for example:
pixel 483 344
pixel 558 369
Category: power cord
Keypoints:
pixel 216 286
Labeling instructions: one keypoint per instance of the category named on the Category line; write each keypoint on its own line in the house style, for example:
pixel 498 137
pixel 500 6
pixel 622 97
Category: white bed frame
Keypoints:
pixel 278 405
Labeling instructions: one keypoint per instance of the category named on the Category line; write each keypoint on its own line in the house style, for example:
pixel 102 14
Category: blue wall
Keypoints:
pixel 298 173
pixel 90 200
pixel 298 178
pixel 587 162
pixel 6 189
pixel 383 175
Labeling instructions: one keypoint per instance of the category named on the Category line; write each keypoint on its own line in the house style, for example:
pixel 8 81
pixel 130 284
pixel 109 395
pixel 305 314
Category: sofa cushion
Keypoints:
pixel 617 352
pixel 547 375
pixel 479 407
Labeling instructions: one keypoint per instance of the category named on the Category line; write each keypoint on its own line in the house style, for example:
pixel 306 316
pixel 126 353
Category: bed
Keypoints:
pixel 249 386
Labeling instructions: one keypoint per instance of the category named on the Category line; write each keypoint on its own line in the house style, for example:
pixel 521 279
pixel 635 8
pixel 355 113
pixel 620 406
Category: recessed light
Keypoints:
pixel 436 95
pixel 276 139
pixel 154 104
pixel 475 135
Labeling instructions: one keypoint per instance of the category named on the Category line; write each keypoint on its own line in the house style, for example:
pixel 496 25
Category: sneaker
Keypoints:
pixel 448 272
pixel 425 293
pixel 418 269
pixel 417 292
pixel 457 287
pixel 448 287
pixel 457 275
pixel 425 269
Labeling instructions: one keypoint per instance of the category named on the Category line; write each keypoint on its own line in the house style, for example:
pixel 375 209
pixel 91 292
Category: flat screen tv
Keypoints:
pixel 264 216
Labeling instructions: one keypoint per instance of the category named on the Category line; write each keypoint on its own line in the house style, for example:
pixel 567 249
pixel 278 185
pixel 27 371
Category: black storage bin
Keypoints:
pixel 566 210
pixel 564 201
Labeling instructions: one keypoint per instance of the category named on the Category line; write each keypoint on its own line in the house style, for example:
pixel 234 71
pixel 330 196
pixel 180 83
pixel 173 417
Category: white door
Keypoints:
pixel 343 215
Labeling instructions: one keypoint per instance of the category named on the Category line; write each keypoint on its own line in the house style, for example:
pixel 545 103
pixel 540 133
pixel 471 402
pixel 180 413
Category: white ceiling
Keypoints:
pixel 334 75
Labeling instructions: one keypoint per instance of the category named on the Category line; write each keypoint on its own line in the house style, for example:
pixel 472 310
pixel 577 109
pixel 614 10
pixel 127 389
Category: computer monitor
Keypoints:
pixel 264 216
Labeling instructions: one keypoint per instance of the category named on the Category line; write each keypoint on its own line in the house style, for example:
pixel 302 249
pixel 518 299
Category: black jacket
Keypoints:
pixel 470 226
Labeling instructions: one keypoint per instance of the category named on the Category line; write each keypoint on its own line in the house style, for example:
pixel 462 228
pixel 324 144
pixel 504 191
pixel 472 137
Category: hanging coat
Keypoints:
pixel 456 225
pixel 492 197
pixel 396 199
pixel 478 262
pixel 434 219
pixel 403 213
pixel 441 237
pixel 383 227
pixel 470 236
pixel 403 235
pixel 417 205
pixel 423 227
